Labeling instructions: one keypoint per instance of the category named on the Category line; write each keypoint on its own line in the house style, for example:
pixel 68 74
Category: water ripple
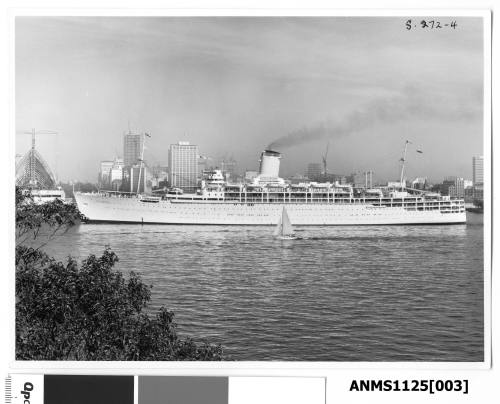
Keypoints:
pixel 371 293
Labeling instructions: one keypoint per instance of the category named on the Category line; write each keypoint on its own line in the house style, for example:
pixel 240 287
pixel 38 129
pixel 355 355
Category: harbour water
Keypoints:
pixel 371 293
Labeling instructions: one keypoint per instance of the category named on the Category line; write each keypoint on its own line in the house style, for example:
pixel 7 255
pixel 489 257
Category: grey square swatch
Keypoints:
pixel 183 390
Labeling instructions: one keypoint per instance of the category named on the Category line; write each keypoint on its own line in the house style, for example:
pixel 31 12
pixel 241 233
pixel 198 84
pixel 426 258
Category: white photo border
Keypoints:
pixel 247 368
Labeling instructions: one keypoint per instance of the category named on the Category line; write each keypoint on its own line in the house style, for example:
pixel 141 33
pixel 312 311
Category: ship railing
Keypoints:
pixel 406 202
pixel 120 194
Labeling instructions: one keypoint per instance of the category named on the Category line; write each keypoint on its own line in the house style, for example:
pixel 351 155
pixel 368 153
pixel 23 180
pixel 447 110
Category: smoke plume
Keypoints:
pixel 411 104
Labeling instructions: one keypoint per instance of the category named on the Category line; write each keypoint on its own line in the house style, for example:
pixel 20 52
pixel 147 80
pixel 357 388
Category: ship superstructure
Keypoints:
pixel 261 201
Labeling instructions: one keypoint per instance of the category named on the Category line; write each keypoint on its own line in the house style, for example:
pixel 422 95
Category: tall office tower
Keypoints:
pixel 132 148
pixel 477 171
pixel 458 190
pixel 116 174
pixel 105 174
pixel 359 180
pixel 314 172
pixel 183 166
pixel 368 179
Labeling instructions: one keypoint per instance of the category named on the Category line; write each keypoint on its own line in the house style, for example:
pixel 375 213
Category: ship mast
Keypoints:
pixel 142 162
pixel 403 159
pixel 324 157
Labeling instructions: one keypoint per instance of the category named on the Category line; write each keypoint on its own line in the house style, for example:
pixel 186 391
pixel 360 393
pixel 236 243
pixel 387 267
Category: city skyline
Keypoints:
pixel 238 85
pixel 219 164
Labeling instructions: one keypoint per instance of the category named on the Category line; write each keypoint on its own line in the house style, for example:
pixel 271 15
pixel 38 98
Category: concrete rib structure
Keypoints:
pixel 33 171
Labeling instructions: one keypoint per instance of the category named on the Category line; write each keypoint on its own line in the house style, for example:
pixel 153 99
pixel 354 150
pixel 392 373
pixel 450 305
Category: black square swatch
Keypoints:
pixel 74 389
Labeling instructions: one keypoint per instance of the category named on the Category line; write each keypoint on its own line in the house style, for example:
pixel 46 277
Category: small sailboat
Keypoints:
pixel 284 229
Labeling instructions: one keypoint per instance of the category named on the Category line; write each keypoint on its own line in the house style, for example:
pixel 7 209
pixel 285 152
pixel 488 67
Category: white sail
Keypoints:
pixel 286 228
pixel 279 228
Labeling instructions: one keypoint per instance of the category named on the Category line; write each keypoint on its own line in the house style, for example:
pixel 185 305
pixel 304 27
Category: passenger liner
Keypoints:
pixel 261 202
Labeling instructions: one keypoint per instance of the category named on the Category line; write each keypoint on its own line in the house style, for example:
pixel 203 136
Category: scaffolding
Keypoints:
pixel 32 171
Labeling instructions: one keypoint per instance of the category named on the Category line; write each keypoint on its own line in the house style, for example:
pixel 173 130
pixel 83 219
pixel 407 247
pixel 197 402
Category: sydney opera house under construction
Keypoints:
pixel 33 173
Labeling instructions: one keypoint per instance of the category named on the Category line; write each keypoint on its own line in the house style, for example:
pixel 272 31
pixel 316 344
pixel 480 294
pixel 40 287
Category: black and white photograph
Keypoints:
pixel 251 188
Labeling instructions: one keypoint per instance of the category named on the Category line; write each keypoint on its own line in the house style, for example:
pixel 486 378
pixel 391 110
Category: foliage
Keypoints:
pixel 56 217
pixel 91 312
pixel 66 311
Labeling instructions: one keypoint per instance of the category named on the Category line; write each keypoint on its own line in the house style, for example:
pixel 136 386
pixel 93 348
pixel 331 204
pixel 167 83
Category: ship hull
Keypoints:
pixel 100 208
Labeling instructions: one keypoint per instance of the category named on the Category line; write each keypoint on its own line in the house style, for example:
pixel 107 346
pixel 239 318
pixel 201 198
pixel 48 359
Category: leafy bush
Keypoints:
pixel 89 312
pixel 56 216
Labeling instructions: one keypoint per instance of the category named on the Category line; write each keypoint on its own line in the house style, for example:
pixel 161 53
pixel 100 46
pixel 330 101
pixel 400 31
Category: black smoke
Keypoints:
pixel 411 104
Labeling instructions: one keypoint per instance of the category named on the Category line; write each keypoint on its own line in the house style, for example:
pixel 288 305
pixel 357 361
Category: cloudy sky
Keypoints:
pixel 237 85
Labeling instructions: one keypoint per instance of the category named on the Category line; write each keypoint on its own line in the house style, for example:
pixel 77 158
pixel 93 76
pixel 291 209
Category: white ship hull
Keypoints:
pixel 101 208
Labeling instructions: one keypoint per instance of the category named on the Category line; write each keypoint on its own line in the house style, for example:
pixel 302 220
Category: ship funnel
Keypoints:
pixel 269 164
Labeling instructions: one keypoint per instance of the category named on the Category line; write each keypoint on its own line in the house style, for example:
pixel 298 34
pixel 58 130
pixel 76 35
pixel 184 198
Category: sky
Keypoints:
pixel 237 85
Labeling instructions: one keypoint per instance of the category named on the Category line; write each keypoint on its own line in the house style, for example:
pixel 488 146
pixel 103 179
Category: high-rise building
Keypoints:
pixel 457 190
pixel 116 169
pixel 132 148
pixel 183 166
pixel 358 180
pixel 368 179
pixel 314 171
pixel 104 179
pixel 116 174
pixel 229 168
pixel 477 171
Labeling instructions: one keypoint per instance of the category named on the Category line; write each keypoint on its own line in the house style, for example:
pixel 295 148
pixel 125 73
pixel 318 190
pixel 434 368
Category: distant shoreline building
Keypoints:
pixel 132 148
pixel 110 174
pixel 104 179
pixel 477 192
pixel 477 171
pixel 183 166
pixel 159 176
pixel 457 190
pixel 116 174
pixel 419 183
pixel 229 168
pixel 363 179
pixel 314 171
